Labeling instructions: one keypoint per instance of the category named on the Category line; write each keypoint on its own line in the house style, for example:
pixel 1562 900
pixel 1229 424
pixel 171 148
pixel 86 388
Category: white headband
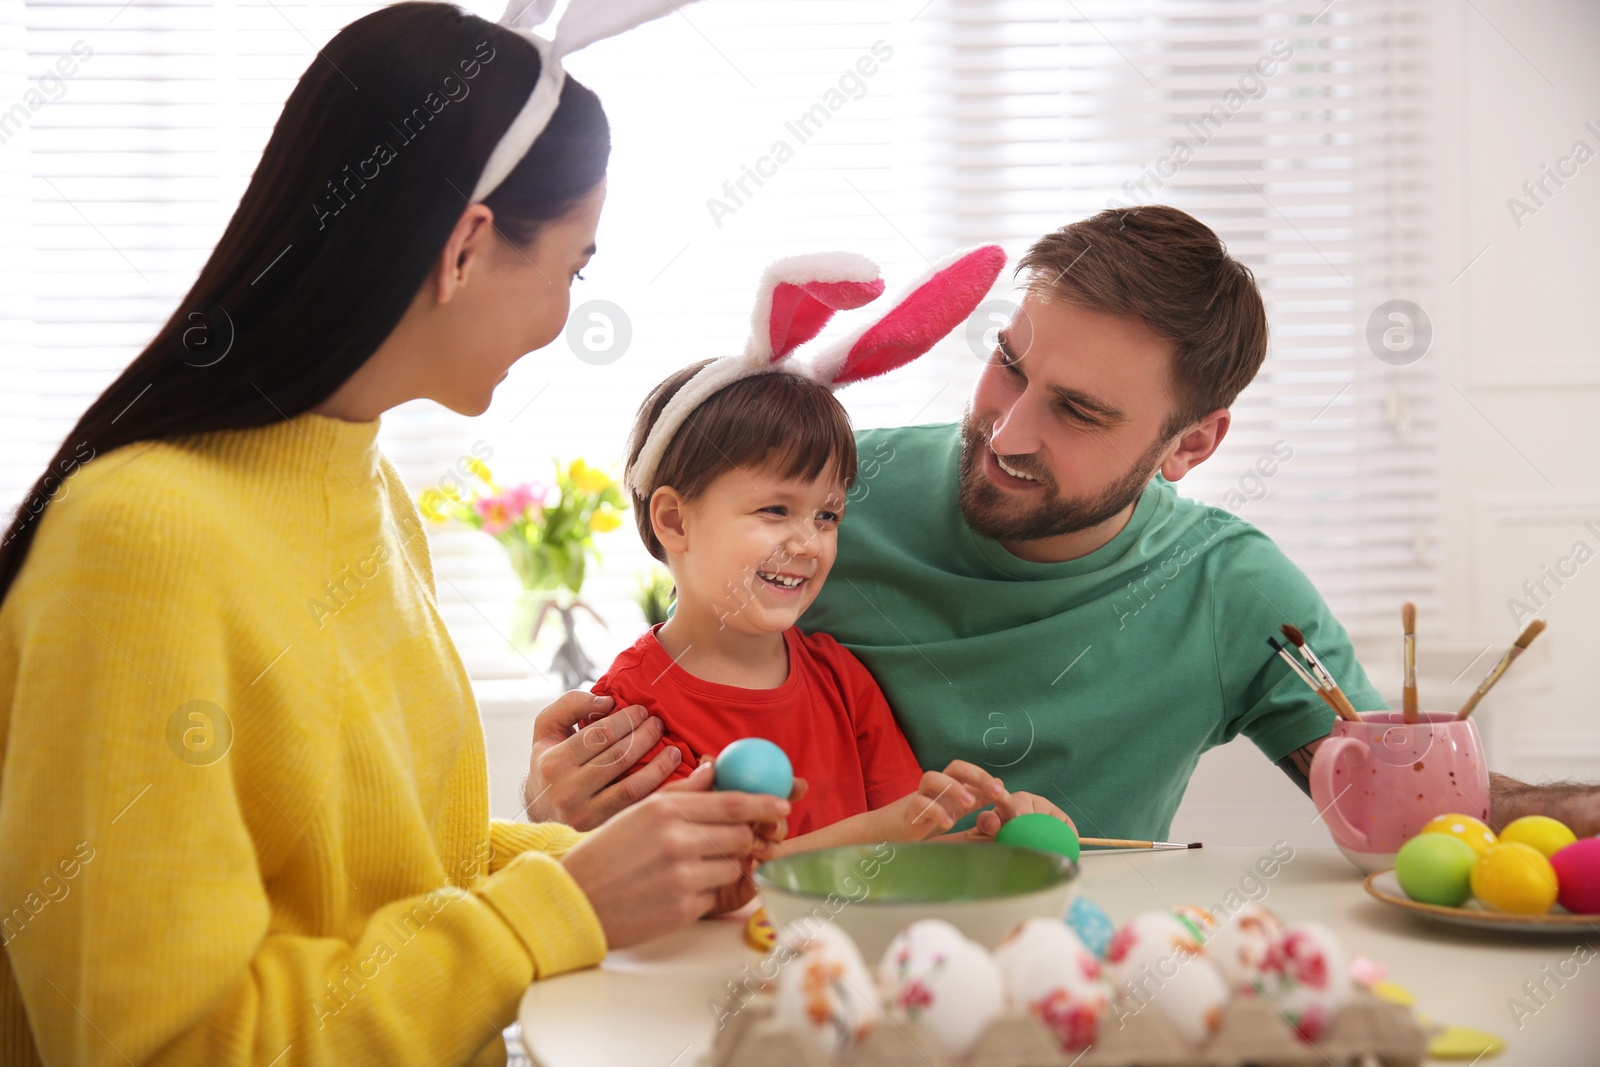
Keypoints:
pixel 583 23
pixel 796 298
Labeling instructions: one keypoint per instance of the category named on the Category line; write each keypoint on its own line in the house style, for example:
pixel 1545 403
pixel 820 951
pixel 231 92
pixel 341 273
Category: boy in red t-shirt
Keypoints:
pixel 739 470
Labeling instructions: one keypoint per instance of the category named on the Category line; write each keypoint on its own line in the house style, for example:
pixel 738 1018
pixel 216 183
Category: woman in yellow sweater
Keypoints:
pixel 237 829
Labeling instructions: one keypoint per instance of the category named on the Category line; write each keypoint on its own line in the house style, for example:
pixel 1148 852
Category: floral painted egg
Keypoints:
pixel 1305 977
pixel 825 990
pixel 941 980
pixel 1053 976
pixel 1156 960
pixel 1092 925
pixel 1240 943
pixel 1204 922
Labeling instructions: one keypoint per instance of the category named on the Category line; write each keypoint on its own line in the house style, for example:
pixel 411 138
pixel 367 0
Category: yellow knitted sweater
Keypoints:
pixel 243 799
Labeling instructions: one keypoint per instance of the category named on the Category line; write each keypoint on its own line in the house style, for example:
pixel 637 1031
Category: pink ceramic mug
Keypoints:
pixel 1377 782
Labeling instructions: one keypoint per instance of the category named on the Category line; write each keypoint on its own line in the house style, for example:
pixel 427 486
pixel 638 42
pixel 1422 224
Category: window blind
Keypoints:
pixel 1295 131
pixel 748 129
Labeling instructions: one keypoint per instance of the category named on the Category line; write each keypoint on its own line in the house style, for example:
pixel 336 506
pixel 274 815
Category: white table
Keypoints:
pixel 650 1006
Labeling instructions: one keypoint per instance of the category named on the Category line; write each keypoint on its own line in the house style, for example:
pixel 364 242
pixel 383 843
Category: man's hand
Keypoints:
pixel 573 777
pixel 1575 804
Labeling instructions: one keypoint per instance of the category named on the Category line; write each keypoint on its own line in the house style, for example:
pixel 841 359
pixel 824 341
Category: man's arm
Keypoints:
pixel 1575 804
pixel 1297 765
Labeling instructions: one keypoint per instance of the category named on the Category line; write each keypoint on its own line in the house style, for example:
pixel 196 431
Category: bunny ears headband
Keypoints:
pixel 583 23
pixel 797 297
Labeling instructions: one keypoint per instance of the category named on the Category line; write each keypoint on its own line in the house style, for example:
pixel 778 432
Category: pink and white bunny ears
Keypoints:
pixel 583 23
pixel 797 297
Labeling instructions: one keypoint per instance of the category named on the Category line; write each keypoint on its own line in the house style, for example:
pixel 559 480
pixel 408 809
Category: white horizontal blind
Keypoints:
pixel 134 162
pixel 1035 113
pixel 924 130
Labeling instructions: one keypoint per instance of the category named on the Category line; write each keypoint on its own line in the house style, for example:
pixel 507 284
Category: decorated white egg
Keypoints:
pixel 1053 976
pixel 1157 962
pixel 1240 943
pixel 1305 977
pixel 1205 923
pixel 948 984
pixel 824 989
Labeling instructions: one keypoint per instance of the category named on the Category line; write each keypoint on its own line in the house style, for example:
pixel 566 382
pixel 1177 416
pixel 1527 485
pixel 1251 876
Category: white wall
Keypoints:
pixel 1515 336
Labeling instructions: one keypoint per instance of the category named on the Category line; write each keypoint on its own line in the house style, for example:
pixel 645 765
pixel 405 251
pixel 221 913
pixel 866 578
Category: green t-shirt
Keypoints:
pixel 1095 683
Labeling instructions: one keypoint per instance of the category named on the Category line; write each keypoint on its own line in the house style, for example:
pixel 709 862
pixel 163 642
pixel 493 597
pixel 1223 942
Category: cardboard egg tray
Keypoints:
pixel 1368 1032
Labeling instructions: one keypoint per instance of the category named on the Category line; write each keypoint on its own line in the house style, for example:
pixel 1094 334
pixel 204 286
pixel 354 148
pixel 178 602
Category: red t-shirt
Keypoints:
pixel 829 716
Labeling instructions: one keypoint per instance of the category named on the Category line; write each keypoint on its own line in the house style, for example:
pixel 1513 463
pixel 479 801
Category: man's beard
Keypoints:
pixel 992 513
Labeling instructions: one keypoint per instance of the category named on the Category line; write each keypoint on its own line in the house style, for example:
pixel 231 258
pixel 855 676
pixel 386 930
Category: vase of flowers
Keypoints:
pixel 548 532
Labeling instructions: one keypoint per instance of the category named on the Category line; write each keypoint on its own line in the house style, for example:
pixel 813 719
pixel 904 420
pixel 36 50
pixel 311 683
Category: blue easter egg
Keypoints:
pixel 1092 925
pixel 754 765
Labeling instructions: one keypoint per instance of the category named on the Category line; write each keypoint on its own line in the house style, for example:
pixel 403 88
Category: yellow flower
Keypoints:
pixel 588 478
pixel 604 520
pixel 428 504
pixel 480 468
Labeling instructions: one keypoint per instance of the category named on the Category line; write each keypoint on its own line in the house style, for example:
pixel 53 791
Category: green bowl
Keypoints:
pixel 874 891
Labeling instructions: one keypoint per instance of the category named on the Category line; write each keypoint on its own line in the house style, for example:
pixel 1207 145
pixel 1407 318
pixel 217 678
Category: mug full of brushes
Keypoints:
pixel 1381 776
pixel 1379 780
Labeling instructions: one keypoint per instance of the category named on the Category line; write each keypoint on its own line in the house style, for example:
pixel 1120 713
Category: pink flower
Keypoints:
pixel 494 513
pixel 1123 940
pixel 914 997
pixel 1073 1024
pixel 1306 960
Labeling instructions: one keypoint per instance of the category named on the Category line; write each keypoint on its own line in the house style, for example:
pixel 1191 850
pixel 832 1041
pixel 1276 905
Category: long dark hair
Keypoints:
pixel 365 175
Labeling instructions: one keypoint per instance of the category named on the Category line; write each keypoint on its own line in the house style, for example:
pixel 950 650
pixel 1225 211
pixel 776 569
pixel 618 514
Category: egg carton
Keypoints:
pixel 1367 1032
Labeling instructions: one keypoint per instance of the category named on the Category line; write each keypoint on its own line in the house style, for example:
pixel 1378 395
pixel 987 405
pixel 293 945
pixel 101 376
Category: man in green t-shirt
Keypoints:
pixel 1028 588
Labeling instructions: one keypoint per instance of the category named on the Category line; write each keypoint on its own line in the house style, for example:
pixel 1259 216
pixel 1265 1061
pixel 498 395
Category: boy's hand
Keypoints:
pixel 1010 807
pixel 944 797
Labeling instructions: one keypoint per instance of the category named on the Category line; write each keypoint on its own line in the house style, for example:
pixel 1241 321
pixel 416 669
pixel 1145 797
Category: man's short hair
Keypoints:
pixel 1167 269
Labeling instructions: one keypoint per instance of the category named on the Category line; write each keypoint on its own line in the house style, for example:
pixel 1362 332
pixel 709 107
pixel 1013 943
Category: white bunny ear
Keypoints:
pixel 587 21
pixel 934 306
pixel 526 14
pixel 799 294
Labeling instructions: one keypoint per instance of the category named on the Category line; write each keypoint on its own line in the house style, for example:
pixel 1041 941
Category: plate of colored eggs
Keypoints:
pixel 1534 876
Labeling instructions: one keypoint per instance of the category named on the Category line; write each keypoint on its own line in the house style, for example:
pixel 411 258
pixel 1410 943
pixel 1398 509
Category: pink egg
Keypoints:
pixel 1577 868
pixel 1053 975
pixel 1305 977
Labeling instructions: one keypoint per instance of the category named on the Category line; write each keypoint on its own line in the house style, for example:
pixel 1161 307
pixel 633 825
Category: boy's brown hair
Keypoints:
pixel 778 421
pixel 1170 271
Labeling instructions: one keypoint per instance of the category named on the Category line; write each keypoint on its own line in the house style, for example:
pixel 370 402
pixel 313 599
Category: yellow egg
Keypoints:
pixel 1468 829
pixel 1540 832
pixel 1514 878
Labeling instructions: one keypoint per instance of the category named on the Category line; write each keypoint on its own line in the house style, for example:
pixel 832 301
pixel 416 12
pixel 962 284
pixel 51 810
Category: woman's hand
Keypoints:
pixel 943 798
pixel 673 857
pixel 573 776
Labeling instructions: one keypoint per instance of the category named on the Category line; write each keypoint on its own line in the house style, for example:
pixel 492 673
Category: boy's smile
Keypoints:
pixel 751 552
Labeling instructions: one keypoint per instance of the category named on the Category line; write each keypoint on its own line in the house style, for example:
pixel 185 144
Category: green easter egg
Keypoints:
pixel 1040 831
pixel 1436 868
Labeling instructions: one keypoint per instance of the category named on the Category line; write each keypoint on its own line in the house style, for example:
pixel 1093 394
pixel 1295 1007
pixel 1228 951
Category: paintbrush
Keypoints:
pixel 1408 618
pixel 1524 639
pixel 1305 675
pixel 1335 696
pixel 1119 842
